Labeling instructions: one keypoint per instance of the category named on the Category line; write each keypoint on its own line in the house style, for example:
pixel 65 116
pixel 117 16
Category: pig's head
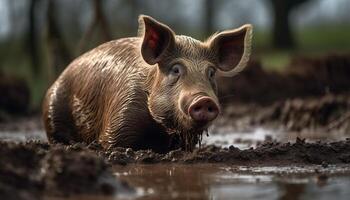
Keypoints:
pixel 182 86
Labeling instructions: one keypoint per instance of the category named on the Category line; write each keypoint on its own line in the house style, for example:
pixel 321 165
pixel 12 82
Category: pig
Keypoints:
pixel 155 91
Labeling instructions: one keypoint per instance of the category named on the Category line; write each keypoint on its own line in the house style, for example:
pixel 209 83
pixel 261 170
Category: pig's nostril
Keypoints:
pixel 197 108
pixel 203 110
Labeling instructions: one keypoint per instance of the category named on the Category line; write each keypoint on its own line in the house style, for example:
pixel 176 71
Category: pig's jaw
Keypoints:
pixel 189 137
pixel 176 122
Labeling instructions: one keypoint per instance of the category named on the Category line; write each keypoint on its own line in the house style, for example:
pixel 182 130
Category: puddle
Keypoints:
pixel 23 136
pixel 219 137
pixel 225 137
pixel 222 181
pixel 207 181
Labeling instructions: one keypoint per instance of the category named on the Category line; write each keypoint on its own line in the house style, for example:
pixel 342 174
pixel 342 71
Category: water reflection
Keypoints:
pixel 291 191
pixel 206 181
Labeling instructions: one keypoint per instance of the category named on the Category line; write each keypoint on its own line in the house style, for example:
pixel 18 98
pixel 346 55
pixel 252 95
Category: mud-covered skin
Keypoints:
pixel 83 106
pixel 124 94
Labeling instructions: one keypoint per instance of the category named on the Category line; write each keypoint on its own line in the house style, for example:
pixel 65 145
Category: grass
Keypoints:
pixel 320 39
pixel 312 41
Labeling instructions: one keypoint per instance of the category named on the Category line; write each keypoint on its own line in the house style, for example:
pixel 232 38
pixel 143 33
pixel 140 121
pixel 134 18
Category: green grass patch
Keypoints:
pixel 324 38
pixel 275 60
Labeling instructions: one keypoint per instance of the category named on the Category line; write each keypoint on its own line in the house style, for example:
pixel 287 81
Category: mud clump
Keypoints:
pixel 268 153
pixel 34 169
pixel 18 176
pixel 303 77
pixel 254 84
pixel 15 96
pixel 330 72
pixel 328 112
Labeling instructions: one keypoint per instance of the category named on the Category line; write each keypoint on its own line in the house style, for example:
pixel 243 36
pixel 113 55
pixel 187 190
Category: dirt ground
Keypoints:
pixel 86 169
pixel 313 94
pixel 268 153
pixel 303 77
pixel 34 169
pixel 14 98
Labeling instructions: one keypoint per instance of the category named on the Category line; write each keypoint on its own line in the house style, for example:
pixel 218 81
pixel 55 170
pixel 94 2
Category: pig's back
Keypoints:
pixel 106 93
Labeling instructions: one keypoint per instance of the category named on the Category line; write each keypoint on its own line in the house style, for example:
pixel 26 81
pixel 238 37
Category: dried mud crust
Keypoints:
pixel 34 169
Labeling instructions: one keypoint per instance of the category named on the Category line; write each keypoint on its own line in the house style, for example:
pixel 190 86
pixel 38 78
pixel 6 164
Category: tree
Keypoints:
pixel 58 52
pixel 282 36
pixel 98 19
pixel 209 16
pixel 32 37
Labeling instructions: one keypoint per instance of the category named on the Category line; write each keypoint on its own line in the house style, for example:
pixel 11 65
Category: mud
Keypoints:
pixel 35 169
pixel 326 116
pixel 268 153
pixel 303 77
pixel 329 112
pixel 220 181
pixel 14 98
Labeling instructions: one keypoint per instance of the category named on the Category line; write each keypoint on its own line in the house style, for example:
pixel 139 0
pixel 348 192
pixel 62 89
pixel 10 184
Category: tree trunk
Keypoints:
pixel 101 19
pixel 208 17
pixel 98 19
pixel 32 42
pixel 59 56
pixel 135 10
pixel 282 36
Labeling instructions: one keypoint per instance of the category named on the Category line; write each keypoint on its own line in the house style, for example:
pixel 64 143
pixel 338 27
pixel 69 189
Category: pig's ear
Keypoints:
pixel 157 39
pixel 232 49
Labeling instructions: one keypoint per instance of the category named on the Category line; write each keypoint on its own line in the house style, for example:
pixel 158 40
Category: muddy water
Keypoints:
pixel 222 181
pixel 208 181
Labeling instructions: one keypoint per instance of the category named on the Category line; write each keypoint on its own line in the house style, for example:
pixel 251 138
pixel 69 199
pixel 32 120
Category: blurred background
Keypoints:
pixel 38 38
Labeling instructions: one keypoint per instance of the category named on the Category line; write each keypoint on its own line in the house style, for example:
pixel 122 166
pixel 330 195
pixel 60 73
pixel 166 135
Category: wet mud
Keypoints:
pixel 34 169
pixel 303 77
pixel 219 181
pixel 39 169
pixel 14 98
pixel 316 118
pixel 267 153
pixel 329 112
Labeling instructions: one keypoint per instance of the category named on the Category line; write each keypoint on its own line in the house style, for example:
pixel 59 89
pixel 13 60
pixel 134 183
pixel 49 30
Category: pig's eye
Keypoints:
pixel 211 72
pixel 176 70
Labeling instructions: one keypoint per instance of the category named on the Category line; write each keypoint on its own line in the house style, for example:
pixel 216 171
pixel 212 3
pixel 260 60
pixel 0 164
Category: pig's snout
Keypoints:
pixel 203 110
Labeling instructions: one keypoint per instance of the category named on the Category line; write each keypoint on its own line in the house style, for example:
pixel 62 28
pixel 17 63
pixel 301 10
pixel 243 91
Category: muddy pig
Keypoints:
pixel 155 91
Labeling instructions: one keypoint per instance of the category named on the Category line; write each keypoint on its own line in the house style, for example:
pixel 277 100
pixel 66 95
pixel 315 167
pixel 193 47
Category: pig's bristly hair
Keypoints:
pixel 246 52
pixel 189 138
pixel 142 28
pixel 247 43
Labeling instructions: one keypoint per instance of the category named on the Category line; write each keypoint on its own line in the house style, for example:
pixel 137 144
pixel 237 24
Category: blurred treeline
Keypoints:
pixel 38 38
